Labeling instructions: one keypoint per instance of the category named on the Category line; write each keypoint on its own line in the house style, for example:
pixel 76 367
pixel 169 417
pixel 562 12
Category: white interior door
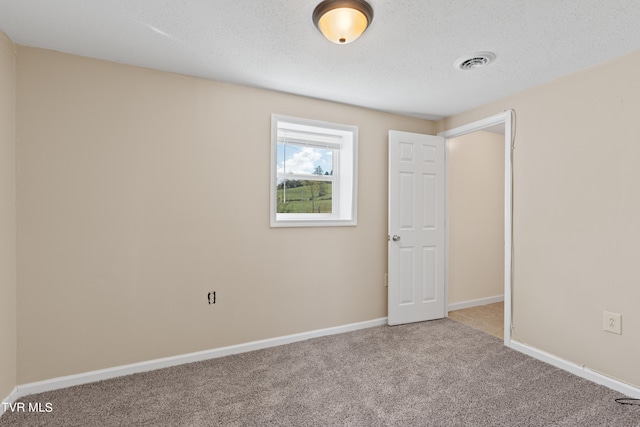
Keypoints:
pixel 416 228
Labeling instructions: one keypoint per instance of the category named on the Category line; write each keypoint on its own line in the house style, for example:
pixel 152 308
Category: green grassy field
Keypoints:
pixel 298 200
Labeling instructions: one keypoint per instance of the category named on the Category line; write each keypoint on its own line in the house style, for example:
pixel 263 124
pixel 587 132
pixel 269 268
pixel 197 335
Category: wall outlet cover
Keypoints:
pixel 612 322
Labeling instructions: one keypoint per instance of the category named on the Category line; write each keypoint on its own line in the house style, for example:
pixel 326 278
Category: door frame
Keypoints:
pixel 505 118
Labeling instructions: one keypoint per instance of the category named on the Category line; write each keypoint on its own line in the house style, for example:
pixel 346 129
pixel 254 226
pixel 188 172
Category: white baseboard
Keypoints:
pixel 475 302
pixel 581 371
pixel 150 365
pixel 13 396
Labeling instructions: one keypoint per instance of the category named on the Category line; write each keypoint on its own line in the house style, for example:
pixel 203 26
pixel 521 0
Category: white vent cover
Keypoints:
pixel 475 60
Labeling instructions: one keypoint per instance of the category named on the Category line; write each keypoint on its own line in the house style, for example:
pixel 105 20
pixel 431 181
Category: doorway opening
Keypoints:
pixel 500 123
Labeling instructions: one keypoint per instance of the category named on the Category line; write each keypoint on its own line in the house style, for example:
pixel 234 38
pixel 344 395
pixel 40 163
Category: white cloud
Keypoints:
pixel 301 162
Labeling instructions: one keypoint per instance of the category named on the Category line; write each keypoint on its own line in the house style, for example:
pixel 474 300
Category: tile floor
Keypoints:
pixel 487 318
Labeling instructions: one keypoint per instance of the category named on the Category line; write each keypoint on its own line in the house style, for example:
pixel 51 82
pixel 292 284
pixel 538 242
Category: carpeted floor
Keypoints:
pixel 438 373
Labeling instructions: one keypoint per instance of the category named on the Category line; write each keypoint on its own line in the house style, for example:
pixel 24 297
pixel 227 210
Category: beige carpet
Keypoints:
pixel 438 373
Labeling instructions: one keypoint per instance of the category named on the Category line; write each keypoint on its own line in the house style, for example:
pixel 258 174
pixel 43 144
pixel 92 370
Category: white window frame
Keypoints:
pixel 343 139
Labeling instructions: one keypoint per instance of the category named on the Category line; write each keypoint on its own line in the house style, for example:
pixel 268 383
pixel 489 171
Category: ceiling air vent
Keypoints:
pixel 475 60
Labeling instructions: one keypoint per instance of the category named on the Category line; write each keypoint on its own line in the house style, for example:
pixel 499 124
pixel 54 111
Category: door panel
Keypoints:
pixel 416 222
pixel 406 275
pixel 429 259
pixel 429 204
pixel 405 198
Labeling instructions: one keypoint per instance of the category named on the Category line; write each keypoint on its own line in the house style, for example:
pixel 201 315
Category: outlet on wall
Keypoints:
pixel 612 322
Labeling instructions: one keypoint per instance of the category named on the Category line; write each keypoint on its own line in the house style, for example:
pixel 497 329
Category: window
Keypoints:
pixel 313 173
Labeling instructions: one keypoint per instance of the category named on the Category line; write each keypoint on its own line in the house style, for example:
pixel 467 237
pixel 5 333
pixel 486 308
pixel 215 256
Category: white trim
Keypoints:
pixel 504 117
pixel 478 125
pixel 150 365
pixel 581 371
pixel 475 302
pixel 13 396
pixel 344 177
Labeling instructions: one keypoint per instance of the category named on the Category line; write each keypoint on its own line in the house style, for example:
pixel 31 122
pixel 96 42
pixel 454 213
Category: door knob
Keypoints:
pixel 396 238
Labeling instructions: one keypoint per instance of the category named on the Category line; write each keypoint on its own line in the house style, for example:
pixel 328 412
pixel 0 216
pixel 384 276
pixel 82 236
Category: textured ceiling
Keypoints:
pixel 402 64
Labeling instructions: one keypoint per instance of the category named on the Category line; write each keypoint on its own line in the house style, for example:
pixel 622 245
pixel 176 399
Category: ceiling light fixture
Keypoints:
pixel 342 21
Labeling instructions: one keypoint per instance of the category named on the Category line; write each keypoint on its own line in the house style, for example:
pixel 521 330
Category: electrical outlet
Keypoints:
pixel 211 297
pixel 612 322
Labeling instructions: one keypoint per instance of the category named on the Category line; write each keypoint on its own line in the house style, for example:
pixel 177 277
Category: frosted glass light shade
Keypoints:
pixel 342 21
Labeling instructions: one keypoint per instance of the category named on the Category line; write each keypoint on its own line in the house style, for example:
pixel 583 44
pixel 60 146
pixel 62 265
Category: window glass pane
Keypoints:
pixel 304 160
pixel 304 196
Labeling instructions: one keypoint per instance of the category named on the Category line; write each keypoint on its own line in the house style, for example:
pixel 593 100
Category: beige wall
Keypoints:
pixel 141 191
pixel 577 215
pixel 8 340
pixel 475 216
